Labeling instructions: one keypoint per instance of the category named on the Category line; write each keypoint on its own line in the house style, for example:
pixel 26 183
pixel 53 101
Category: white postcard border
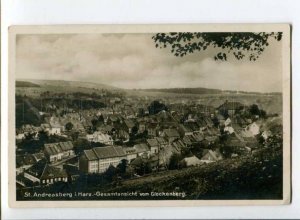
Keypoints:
pixel 77 29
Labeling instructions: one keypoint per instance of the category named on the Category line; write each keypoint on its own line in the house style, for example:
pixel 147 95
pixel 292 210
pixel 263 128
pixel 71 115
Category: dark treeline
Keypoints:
pixel 28 108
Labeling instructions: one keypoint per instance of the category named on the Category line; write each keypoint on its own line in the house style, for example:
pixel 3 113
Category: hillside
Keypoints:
pixel 270 102
pixel 203 91
pixel 187 90
pixel 243 178
pixel 254 177
pixel 64 83
pixel 60 86
pixel 26 84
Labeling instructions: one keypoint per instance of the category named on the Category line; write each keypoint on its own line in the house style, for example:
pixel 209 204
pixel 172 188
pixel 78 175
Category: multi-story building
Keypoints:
pixel 98 159
pixel 131 153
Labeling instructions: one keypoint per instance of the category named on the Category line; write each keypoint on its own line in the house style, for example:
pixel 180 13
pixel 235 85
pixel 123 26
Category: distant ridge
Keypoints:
pixel 204 91
pixel 64 83
pixel 186 90
pixel 26 84
pixel 95 85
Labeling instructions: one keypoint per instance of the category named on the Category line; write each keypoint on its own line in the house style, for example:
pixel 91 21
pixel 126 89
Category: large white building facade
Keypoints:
pixel 99 159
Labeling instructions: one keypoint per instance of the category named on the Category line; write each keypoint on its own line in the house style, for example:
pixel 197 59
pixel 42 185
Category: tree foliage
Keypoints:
pixel 80 145
pixel 238 44
pixel 31 144
pixel 74 135
pixel 255 110
pixel 43 136
pixel 174 161
pixel 156 106
pixel 69 126
pixel 122 166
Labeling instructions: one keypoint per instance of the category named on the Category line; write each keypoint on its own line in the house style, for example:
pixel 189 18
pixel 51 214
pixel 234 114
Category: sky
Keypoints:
pixel 132 61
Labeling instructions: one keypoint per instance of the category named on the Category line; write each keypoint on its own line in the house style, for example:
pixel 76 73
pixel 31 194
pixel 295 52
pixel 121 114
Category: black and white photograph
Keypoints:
pixel 170 114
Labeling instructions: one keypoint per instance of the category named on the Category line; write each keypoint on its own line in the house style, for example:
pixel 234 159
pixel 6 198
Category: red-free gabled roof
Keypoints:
pixel 56 148
pixel 104 152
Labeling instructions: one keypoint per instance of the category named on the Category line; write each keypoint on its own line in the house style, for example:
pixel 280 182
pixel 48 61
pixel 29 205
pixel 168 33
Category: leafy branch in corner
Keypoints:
pixel 240 45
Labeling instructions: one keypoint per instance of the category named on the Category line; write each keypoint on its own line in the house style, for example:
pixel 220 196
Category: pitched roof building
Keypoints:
pixel 192 161
pixel 211 156
pixel 142 149
pixel 100 137
pixel 58 151
pixel 98 159
pixel 171 134
pixel 154 145
pixel 43 173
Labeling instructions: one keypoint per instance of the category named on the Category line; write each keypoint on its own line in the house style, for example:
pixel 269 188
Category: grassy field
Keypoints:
pixel 243 178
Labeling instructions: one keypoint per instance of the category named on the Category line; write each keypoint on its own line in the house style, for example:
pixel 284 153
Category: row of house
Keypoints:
pixel 97 160
pixel 58 151
pixel 167 133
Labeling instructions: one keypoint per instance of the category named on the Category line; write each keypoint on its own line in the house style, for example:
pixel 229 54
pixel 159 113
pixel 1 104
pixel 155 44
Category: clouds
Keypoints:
pixel 132 61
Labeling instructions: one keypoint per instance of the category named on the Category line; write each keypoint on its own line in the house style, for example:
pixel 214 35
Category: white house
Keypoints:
pixel 100 137
pixel 227 122
pixel 253 128
pixel 20 136
pixel 192 161
pixel 229 129
pixel 211 156
pixel 54 126
pixel 266 134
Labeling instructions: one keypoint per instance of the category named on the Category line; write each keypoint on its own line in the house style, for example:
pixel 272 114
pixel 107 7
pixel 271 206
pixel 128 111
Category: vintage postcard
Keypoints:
pixel 149 115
